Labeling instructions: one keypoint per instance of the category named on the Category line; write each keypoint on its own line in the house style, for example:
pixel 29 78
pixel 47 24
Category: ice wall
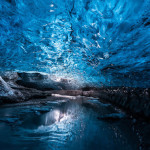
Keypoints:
pixel 98 42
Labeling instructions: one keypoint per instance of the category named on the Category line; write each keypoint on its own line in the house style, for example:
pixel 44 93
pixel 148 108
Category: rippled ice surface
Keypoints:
pixel 64 125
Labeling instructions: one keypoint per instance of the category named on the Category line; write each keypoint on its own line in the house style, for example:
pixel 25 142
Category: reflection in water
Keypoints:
pixel 53 116
pixel 67 125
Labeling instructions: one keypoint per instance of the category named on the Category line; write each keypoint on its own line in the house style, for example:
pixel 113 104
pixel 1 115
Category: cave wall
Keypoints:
pixel 96 42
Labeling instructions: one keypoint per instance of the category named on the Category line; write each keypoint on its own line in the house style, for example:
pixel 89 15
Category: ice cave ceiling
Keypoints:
pixel 105 42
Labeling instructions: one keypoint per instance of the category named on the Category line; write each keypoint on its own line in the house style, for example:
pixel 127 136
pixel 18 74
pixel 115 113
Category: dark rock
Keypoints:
pixel 69 92
pixel 11 92
pixel 9 120
pixel 7 76
pixel 37 81
pixel 112 117
pixel 41 81
pixel 133 100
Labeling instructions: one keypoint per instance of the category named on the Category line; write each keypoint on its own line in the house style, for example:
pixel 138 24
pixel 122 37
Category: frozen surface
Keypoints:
pixel 93 41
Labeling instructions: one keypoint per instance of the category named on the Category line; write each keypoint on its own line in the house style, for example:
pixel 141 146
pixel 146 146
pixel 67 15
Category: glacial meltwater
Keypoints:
pixel 66 123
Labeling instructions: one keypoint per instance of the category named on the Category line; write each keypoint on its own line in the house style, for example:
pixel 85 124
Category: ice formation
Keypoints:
pixel 99 42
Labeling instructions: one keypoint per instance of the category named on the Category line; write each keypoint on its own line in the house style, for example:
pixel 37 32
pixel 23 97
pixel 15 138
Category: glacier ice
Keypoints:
pixel 99 42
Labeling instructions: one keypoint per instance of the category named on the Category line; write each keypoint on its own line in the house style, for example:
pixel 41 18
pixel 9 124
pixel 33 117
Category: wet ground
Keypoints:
pixel 66 123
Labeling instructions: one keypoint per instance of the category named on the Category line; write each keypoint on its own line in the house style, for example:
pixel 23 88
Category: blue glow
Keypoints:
pixel 94 41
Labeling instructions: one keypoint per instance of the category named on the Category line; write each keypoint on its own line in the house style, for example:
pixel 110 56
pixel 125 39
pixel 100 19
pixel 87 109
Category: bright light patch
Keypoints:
pixel 56 115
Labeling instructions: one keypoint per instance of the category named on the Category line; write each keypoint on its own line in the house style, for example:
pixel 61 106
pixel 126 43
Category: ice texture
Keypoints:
pixel 97 42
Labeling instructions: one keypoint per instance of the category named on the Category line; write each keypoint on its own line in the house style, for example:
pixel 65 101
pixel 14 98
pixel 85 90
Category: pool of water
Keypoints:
pixel 65 124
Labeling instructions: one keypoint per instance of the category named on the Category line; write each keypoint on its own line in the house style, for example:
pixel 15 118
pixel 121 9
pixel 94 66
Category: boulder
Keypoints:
pixel 7 93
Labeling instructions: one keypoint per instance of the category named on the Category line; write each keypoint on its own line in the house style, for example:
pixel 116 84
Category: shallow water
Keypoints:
pixel 65 125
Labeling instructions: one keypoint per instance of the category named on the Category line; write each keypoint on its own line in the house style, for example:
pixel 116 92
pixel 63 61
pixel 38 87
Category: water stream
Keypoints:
pixel 65 124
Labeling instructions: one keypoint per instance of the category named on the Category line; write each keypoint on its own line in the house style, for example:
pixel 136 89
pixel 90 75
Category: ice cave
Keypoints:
pixel 75 74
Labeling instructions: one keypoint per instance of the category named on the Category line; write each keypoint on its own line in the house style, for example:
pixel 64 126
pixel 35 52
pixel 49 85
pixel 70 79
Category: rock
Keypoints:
pixel 133 100
pixel 9 120
pixel 112 117
pixel 68 92
pixel 11 92
pixel 7 93
pixel 8 75
pixel 146 137
pixel 37 81
pixel 42 81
